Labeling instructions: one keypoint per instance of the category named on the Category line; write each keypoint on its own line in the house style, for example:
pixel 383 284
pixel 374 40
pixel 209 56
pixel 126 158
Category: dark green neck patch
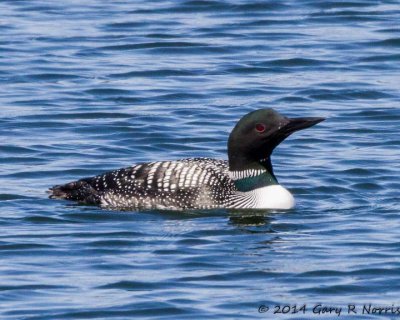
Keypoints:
pixel 251 183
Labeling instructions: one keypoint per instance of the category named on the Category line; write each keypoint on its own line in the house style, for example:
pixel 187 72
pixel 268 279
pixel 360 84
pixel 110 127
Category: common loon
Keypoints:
pixel 246 180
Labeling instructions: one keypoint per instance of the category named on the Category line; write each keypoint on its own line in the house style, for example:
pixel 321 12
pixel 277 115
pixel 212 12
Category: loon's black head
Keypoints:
pixel 256 135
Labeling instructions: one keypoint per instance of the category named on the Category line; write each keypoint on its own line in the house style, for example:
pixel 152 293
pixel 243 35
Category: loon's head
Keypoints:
pixel 256 135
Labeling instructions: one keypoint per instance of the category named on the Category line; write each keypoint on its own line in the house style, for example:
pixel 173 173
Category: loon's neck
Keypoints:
pixel 253 175
pixel 248 180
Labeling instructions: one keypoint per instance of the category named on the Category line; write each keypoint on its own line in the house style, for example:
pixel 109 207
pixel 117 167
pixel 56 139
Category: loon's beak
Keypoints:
pixel 295 124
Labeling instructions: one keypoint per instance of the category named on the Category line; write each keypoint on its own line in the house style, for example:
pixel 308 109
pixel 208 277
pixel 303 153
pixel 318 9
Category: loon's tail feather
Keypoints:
pixel 80 191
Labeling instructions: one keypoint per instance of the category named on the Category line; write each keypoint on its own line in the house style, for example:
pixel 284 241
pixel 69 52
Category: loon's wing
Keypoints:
pixel 188 183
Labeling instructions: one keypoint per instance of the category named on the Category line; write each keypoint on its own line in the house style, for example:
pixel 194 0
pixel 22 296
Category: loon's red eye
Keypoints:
pixel 260 127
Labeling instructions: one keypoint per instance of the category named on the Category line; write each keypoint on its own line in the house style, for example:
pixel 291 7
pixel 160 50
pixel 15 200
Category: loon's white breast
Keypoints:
pixel 268 197
pixel 273 197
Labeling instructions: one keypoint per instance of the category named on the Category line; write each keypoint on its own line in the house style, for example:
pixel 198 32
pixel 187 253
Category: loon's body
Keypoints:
pixel 198 183
pixel 245 181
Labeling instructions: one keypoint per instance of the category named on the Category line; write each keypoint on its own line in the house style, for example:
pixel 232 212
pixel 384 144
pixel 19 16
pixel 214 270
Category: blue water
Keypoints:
pixel 86 88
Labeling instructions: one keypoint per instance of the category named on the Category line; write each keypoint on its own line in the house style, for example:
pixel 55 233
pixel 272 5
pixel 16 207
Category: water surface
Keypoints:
pixel 86 88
